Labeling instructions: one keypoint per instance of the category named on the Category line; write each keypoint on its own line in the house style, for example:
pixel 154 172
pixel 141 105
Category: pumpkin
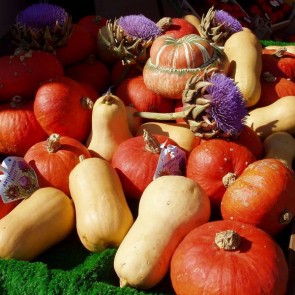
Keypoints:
pixel 180 27
pixel 279 63
pixel 135 161
pixel 173 61
pixel 215 164
pixel 79 45
pixel 54 158
pixel 120 71
pixel 19 127
pixel 92 23
pixel 22 73
pixel 134 92
pixel 91 70
pixel 62 105
pixel 273 88
pixel 170 207
pixel 263 195
pixel 250 139
pixel 228 257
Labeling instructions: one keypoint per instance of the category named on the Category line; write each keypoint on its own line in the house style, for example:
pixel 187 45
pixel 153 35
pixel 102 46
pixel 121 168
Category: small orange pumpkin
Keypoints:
pixel 263 195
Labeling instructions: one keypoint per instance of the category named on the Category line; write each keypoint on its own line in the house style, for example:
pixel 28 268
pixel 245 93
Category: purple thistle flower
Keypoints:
pixel 139 26
pixel 39 16
pixel 227 107
pixel 231 23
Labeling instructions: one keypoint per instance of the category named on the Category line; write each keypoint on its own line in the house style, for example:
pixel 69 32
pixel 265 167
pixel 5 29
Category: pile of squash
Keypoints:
pixel 211 226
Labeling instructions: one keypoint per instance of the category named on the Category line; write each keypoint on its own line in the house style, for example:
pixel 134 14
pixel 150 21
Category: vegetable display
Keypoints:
pixel 160 151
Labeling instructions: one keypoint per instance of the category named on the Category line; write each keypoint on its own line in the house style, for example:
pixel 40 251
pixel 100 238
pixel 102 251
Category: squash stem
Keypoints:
pixel 228 240
pixel 191 110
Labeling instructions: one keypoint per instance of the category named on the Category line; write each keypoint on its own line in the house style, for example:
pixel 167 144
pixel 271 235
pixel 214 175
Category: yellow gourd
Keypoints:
pixel 169 208
pixel 194 20
pixel 180 133
pixel 244 52
pixel 37 223
pixel 289 48
pixel 109 126
pixel 133 121
pixel 278 116
pixel 102 213
pixel 280 145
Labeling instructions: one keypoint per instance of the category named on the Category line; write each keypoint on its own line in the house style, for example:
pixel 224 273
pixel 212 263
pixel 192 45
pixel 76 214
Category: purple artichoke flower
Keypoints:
pixel 227 107
pixel 41 15
pixel 139 27
pixel 229 22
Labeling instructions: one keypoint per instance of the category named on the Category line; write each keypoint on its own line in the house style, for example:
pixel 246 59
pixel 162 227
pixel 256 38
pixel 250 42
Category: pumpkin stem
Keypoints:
pixel 229 178
pixel 151 143
pixel 228 240
pixel 81 158
pixel 53 143
pixel 268 77
pixel 16 102
pixel 286 217
pixel 87 103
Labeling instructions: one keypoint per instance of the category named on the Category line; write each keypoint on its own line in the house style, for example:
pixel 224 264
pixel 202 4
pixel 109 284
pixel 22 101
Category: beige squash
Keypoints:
pixel 36 224
pixel 109 126
pixel 244 52
pixel 169 208
pixel 278 116
pixel 280 145
pixel 180 133
pixel 103 216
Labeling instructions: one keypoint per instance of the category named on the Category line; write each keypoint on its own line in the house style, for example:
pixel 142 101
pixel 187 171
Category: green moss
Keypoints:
pixel 69 269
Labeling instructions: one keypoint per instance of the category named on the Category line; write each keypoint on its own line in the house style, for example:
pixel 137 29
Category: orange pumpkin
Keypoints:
pixel 263 195
pixel 228 258
pixel 172 61
pixel 53 160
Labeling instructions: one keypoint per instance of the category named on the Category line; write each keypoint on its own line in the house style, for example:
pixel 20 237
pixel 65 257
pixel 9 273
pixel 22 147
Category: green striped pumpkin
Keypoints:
pixel 173 61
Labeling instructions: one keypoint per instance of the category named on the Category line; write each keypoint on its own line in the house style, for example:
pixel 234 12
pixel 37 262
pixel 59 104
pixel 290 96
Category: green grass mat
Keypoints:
pixel 68 268
pixel 265 43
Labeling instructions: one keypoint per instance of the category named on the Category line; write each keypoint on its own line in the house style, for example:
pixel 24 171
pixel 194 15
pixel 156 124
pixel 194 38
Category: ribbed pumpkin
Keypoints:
pixel 53 160
pixel 172 61
pixel 228 257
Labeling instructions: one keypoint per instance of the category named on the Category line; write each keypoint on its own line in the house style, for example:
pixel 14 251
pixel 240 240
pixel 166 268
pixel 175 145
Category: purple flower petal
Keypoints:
pixel 230 22
pixel 39 16
pixel 139 26
pixel 227 106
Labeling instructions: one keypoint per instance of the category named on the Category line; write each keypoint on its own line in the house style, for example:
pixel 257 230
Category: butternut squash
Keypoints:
pixel 280 145
pixel 169 208
pixel 109 126
pixel 194 20
pixel 244 52
pixel 133 121
pixel 289 48
pixel 102 213
pixel 36 224
pixel 180 133
pixel 278 116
